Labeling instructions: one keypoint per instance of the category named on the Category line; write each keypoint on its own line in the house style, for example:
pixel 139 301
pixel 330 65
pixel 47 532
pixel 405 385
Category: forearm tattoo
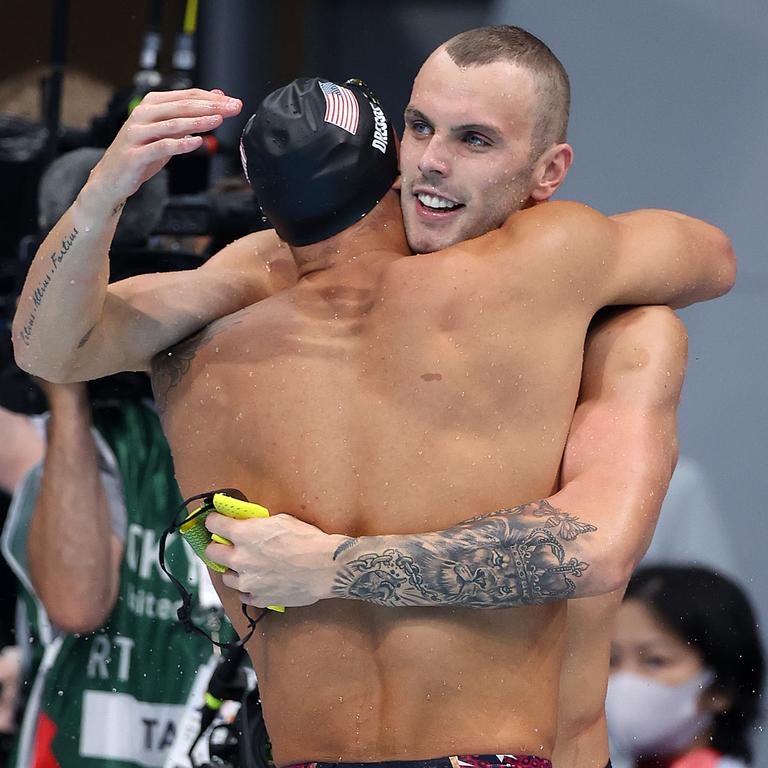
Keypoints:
pixel 42 287
pixel 506 558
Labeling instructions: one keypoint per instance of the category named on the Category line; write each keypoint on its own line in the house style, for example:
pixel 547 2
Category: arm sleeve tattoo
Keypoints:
pixel 520 556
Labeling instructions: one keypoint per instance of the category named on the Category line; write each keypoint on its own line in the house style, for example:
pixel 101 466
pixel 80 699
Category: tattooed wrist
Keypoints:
pixel 518 556
pixel 348 543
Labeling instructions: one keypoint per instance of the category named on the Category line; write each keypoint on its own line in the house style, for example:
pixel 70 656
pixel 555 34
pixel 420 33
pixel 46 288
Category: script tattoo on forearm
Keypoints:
pixel 42 287
pixel 84 340
pixel 169 367
pixel 506 558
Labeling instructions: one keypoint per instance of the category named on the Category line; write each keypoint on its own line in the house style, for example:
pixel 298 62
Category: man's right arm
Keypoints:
pixel 73 554
pixel 69 324
pixel 584 540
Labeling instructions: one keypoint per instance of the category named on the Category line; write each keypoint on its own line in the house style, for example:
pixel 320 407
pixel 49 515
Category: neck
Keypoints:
pixel 380 232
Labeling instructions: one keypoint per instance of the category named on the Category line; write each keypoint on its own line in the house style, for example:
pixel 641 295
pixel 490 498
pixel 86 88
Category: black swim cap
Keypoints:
pixel 319 157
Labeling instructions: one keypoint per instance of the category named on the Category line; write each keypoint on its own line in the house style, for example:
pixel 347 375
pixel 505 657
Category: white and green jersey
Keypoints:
pixel 113 698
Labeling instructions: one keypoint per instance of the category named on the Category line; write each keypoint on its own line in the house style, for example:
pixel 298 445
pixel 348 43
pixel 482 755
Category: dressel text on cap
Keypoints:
pixel 380 133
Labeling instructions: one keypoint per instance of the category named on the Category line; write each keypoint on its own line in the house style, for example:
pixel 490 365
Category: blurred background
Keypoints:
pixel 670 110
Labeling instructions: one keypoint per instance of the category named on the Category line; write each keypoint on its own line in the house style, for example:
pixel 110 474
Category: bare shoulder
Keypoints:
pixel 571 235
pixel 260 260
pixel 556 218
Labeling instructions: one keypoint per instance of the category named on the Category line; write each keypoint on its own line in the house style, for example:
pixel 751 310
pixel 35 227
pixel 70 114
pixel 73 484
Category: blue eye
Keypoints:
pixel 475 140
pixel 419 127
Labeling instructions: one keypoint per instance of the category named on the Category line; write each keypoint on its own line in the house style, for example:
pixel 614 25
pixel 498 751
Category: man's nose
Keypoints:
pixel 435 160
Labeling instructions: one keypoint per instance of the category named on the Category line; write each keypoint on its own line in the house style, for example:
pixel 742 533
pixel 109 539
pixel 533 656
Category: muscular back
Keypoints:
pixel 392 395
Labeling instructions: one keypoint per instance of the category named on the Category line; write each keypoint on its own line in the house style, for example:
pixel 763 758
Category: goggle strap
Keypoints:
pixel 184 612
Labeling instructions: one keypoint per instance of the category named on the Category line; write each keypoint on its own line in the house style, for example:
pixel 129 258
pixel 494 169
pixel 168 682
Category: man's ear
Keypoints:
pixel 397 185
pixel 550 171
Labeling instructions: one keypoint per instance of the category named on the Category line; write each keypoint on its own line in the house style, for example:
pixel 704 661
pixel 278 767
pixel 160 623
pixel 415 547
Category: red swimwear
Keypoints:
pixel 457 761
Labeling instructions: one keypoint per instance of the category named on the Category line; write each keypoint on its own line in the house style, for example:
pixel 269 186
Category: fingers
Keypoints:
pixel 146 113
pixel 167 148
pixel 161 97
pixel 223 525
pixel 176 127
pixel 176 115
pixel 164 124
pixel 239 585
pixel 235 581
pixel 148 127
pixel 222 554
pixel 256 602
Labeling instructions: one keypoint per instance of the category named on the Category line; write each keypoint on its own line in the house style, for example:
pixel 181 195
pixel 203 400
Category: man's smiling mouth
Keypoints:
pixel 436 204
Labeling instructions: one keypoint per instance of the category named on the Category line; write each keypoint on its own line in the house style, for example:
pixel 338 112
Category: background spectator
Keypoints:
pixel 686 671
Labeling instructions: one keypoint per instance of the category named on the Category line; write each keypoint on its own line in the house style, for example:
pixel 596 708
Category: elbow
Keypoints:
pixel 730 268
pixel 46 363
pixel 621 573
pixel 79 617
pixel 715 271
pixel 35 364
pixel 70 605
pixel 606 574
pixel 725 263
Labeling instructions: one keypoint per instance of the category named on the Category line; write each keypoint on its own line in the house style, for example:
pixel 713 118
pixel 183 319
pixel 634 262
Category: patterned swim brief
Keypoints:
pixel 456 761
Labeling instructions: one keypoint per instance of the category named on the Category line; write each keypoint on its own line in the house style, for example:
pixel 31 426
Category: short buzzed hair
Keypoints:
pixel 486 45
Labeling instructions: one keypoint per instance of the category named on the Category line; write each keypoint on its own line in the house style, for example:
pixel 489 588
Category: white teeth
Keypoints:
pixel 431 201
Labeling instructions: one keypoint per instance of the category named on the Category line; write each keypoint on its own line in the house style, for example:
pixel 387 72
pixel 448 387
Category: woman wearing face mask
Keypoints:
pixel 686 671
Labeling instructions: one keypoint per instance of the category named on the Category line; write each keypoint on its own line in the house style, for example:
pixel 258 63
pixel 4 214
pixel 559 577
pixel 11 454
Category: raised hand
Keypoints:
pixel 163 124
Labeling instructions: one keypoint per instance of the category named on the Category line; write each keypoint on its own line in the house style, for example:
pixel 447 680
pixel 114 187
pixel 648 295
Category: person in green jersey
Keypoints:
pixel 82 536
pixel 114 666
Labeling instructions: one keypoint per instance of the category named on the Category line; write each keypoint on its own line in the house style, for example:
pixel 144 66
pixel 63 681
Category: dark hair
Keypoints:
pixel 714 616
pixel 486 45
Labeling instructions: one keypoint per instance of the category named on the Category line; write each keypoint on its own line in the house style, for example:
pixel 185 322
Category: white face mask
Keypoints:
pixel 646 717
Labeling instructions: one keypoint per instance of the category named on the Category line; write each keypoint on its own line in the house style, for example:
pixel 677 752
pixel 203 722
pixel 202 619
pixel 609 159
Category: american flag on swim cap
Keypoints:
pixel 341 107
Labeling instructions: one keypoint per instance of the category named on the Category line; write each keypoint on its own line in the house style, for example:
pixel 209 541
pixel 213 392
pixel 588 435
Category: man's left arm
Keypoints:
pixel 584 540
pixel 666 257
